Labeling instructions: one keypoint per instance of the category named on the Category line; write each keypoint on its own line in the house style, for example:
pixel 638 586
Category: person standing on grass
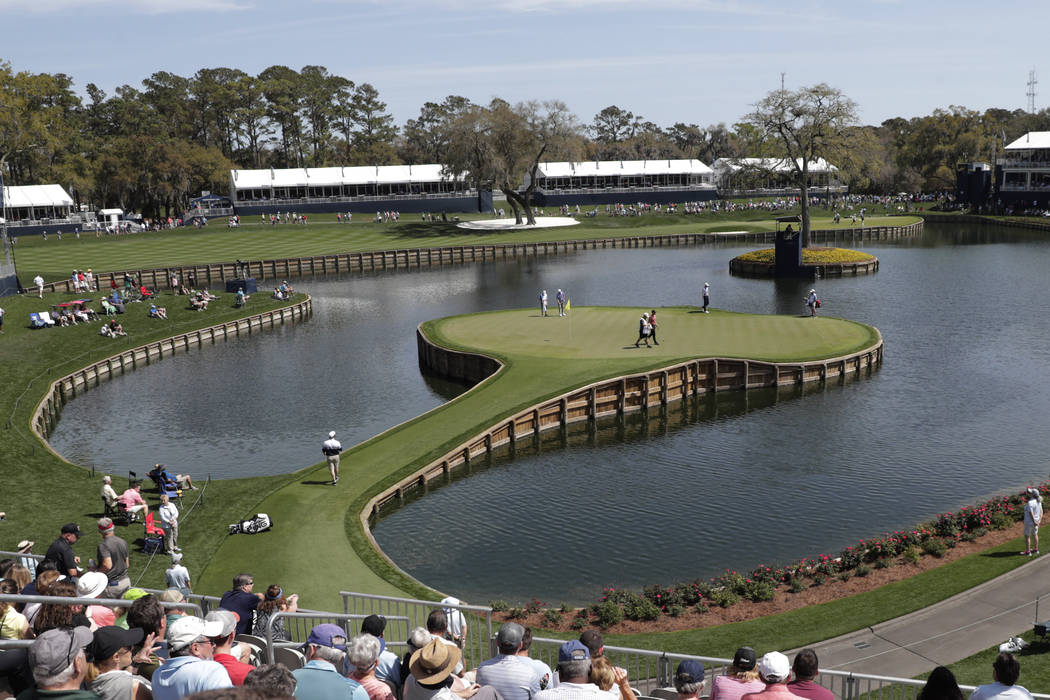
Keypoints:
pixel 169 522
pixel 643 330
pixel 1033 513
pixel 560 296
pixel 812 302
pixel 39 282
pixel 543 303
pixel 331 449
pixel 652 326
pixel 707 297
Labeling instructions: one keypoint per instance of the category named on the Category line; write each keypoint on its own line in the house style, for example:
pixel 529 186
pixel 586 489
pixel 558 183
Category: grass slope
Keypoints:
pixel 55 259
pixel 543 357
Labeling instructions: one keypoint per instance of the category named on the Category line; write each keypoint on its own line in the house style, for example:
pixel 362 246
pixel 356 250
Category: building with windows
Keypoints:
pixel 34 204
pixel 773 176
pixel 622 181
pixel 1023 172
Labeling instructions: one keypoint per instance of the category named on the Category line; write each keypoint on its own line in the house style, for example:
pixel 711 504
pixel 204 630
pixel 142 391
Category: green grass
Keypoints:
pixel 1035 672
pixel 543 357
pixel 55 259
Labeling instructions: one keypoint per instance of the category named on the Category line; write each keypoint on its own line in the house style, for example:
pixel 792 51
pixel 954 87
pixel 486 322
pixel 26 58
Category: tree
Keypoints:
pixel 374 131
pixel 806 124
pixel 426 139
pixel 320 92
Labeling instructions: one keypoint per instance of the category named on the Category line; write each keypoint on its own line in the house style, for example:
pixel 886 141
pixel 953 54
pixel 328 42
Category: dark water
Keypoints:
pixel 956 413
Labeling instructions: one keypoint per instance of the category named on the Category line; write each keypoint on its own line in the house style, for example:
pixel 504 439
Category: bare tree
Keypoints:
pixel 806 124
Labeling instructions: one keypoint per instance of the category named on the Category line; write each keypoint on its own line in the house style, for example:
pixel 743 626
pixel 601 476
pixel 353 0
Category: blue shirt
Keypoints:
pixel 319 680
pixel 185 675
pixel 389 668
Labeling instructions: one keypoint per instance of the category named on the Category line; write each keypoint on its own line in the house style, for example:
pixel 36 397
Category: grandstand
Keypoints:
pixel 772 177
pixel 623 181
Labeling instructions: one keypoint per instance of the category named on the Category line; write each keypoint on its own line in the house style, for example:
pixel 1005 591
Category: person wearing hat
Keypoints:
pixel 706 294
pixel 560 297
pixel 388 669
pixel 805 669
pixel 543 302
pixel 25 548
pixel 177 575
pixel 190 669
pixel 574 673
pixel 224 643
pixel 431 674
pixel 812 302
pixel 113 561
pixel 643 330
pixel 511 676
pixel 774 670
pixel 61 551
pixel 92 585
pixel 606 676
pixel 331 448
pixel 59 664
pixel 740 679
pixel 1033 513
pixel 689 679
pixel 110 651
pixel 320 678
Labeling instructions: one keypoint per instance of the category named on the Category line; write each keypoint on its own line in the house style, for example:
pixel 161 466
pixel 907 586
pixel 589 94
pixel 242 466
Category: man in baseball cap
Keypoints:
pixel 574 671
pixel 61 551
pixel 320 678
pixel 774 669
pixel 58 662
pixel 190 669
pixel 512 677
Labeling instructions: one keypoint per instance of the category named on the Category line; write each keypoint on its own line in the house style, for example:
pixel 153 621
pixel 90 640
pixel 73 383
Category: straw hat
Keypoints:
pixel 434 662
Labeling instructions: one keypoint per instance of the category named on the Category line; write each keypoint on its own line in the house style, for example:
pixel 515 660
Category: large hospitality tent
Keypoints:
pixel 36 202
pixel 342 181
pixel 726 169
pixel 622 173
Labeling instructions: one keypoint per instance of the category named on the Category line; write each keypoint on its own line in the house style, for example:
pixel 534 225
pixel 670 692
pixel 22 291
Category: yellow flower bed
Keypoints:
pixel 811 256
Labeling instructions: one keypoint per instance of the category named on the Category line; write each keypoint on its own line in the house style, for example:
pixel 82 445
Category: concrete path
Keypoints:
pixel 948 631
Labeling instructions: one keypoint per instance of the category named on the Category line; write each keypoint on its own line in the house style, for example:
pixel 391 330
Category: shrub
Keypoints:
pixel 701 607
pixel 565 607
pixel 675 610
pixel 758 591
pixel 883 563
pixel 863 570
pixel 660 596
pixel 551 617
pixel 1001 521
pixel 798 585
pixel 608 614
pixel 517 613
pixel 499 605
pixel 641 609
pixel 934 546
pixel 849 558
pixel 724 597
pixel 845 576
pixel 578 623
pixel 533 606
pixel 691 593
pixel 819 578
pixel 910 555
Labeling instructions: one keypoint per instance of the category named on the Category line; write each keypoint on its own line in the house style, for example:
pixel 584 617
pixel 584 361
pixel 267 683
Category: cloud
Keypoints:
pixel 146 7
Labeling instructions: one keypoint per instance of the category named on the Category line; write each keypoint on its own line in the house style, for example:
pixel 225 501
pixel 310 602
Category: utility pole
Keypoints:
pixel 1032 82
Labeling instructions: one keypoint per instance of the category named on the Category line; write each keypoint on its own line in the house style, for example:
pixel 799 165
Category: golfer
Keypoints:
pixel 331 449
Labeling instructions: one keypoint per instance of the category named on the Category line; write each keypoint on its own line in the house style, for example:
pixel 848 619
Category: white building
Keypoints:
pixel 774 175
pixel 599 175
pixel 1025 167
pixel 340 184
pixel 36 204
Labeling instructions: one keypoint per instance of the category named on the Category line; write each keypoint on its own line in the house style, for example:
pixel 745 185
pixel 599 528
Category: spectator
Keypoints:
pixel 431 674
pixel 774 670
pixel 275 680
pixel 132 500
pixel 46 576
pixel 13 624
pixel 113 561
pixel 805 669
pixel 1005 671
pixel 178 576
pixel 25 550
pixel 417 639
pixel 169 523
pixel 172 595
pixel 511 676
pixel 223 642
pixel 389 667
pixel 52 615
pixel 108 494
pixel 1033 513
pixel 437 625
pixel 320 679
pixel 610 679
pixel 595 643
pixel 457 623
pixel 941 685
pixel 242 601
pixel 61 551
pixel 689 679
pixel 92 585
pixel 574 672
pixel 274 601
pixel 542 670
pixel 59 665
pixel 740 679
pixel 20 575
pixel 191 668
pixel 363 653
pixel 147 614
pixel 111 653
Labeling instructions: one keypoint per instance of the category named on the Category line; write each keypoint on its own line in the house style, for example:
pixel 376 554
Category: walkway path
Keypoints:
pixel 946 632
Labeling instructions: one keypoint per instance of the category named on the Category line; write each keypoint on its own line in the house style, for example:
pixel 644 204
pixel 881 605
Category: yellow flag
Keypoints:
pixel 568 304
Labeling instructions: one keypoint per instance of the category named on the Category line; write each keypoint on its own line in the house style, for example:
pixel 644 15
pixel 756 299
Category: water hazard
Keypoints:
pixel 956 413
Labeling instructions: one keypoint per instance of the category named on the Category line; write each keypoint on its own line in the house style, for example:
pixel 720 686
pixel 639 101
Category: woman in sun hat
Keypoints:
pixel 431 677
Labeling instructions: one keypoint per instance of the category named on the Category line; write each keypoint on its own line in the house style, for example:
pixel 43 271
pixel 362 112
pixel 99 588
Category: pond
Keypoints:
pixel 954 415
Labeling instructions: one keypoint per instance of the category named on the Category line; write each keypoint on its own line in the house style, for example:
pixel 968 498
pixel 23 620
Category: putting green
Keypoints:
pixel 318 546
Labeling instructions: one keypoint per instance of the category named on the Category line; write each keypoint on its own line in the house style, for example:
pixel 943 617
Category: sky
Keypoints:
pixel 668 61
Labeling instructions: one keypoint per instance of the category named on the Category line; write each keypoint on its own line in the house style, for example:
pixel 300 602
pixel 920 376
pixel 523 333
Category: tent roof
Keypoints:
pixel 774 164
pixel 341 175
pixel 609 168
pixel 36 196
pixel 1033 139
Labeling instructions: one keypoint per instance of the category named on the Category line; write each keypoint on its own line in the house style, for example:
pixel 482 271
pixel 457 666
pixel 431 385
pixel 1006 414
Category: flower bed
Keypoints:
pixel 811 256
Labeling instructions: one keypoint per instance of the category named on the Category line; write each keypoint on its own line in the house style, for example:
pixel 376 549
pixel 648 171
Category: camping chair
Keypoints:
pixel 47 318
pixel 36 322
pixel 109 308
pixel 154 541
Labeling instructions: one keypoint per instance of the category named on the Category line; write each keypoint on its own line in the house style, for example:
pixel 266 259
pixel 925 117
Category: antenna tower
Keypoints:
pixel 1032 82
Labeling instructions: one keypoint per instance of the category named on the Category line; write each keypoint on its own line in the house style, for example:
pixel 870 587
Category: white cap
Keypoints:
pixel 774 667
pixel 331 434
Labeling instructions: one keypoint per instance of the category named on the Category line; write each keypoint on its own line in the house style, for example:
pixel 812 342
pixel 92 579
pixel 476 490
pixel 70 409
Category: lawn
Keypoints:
pixel 55 259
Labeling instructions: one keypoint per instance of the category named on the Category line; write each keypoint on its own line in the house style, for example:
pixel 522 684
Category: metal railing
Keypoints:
pixel 408 613
pixel 300 623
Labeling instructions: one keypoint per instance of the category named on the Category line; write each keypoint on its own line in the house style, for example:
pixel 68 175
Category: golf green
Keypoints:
pixel 319 545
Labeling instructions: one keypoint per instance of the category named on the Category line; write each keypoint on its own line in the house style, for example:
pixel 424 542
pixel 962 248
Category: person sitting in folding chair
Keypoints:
pixel 133 502
pixel 168 482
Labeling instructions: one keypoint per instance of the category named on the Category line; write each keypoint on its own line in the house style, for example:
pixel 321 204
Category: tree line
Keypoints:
pixel 154 147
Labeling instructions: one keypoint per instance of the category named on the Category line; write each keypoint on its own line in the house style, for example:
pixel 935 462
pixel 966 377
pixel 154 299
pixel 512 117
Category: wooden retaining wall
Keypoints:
pixel 215 275
pixel 1033 224
pixel 636 392
pixel 67 388
pixel 747 268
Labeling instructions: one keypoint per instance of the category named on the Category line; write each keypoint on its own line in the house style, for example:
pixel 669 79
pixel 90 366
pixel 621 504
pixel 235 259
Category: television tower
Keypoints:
pixel 1032 82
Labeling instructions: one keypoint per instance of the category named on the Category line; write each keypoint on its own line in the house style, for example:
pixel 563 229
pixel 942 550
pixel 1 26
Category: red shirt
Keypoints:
pixel 234 668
